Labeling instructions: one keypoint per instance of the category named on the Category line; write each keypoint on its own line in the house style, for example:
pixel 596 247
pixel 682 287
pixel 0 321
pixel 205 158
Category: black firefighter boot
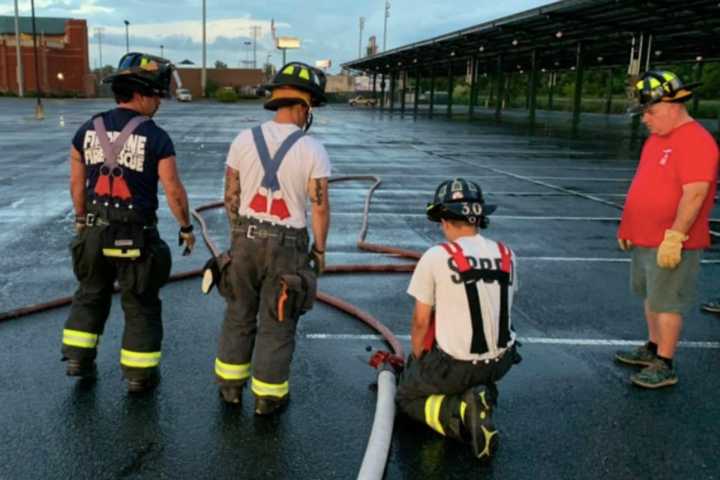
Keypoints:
pixel 85 369
pixel 477 422
pixel 144 383
pixel 269 405
pixel 232 392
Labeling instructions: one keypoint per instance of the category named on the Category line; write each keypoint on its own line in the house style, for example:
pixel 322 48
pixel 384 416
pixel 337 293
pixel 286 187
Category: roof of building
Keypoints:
pixel 606 29
pixel 43 25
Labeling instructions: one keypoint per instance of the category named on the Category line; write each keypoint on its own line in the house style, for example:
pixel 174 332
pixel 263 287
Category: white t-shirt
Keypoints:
pixel 435 283
pixel 307 159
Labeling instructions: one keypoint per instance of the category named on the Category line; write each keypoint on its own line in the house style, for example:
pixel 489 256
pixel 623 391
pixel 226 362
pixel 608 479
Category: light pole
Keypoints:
pixel 362 25
pixel 18 54
pixel 98 33
pixel 39 111
pixel 127 36
pixel 387 14
pixel 203 74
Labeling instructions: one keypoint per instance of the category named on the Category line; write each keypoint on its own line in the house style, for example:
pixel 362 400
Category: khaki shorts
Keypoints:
pixel 666 290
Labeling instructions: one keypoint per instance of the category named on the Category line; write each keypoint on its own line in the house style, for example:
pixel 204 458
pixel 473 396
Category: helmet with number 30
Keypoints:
pixel 459 199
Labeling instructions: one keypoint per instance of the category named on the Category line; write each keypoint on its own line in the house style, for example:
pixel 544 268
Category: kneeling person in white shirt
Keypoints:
pixel 462 337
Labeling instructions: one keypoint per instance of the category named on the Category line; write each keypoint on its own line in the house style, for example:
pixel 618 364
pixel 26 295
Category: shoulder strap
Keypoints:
pixel 111 150
pixel 506 267
pixel 286 146
pixel 272 165
pixel 456 252
pixel 505 261
pixel 261 147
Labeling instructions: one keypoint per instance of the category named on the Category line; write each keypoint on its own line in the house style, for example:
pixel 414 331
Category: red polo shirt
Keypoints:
pixel 688 154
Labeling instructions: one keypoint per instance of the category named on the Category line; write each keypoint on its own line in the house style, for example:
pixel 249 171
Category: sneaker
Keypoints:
pixel 656 375
pixel 269 405
pixel 640 356
pixel 478 422
pixel 231 393
pixel 712 306
pixel 82 369
pixel 144 384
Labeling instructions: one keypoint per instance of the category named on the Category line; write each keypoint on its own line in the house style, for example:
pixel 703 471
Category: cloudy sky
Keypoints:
pixel 328 29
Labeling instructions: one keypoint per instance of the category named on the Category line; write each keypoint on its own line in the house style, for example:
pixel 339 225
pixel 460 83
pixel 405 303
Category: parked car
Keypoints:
pixel 362 101
pixel 183 95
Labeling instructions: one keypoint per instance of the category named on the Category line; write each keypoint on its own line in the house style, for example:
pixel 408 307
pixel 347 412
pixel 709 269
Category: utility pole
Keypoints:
pixel 387 15
pixel 39 111
pixel 362 25
pixel 256 31
pixel 18 53
pixel 127 36
pixel 247 62
pixel 203 74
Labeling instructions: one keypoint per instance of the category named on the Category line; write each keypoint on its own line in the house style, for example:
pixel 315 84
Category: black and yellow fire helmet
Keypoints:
pixel 657 86
pixel 150 74
pixel 295 83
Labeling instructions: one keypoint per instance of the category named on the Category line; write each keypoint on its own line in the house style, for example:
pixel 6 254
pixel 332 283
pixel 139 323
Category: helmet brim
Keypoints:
pixel 317 99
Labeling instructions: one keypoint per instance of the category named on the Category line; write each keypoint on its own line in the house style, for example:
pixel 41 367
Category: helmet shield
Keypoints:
pixel 459 199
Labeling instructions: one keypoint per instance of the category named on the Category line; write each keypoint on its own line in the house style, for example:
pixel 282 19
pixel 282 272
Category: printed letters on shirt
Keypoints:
pixel 132 155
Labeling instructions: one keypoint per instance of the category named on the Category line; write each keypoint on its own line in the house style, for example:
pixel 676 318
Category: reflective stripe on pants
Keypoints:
pixel 262 389
pixel 433 404
pixel 129 358
pixel 76 338
pixel 229 371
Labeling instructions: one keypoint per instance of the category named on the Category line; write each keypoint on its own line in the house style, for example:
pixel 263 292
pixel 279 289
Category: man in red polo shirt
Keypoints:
pixel 665 223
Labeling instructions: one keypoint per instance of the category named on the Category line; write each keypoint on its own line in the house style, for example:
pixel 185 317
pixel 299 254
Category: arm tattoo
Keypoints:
pixel 232 198
pixel 318 192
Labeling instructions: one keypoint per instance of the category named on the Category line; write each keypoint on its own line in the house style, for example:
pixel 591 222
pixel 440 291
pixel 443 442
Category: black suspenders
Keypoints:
pixel 470 276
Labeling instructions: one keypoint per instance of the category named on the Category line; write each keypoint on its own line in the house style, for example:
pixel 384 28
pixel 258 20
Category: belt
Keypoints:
pixel 486 361
pixel 94 220
pixel 262 231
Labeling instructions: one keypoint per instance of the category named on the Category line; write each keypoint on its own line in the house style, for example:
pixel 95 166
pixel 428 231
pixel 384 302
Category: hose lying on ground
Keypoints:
pixel 376 453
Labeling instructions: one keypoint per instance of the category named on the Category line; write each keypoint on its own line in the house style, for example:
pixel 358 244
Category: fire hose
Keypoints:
pixel 375 457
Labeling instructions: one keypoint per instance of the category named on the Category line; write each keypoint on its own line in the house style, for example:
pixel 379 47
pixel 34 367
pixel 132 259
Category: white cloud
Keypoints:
pixel 91 7
pixel 227 28
pixel 40 5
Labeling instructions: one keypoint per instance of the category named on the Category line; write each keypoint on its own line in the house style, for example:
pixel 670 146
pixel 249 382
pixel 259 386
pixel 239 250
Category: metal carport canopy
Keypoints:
pixel 681 31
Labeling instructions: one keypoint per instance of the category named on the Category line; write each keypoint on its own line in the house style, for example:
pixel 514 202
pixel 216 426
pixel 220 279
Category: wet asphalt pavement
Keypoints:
pixel 566 412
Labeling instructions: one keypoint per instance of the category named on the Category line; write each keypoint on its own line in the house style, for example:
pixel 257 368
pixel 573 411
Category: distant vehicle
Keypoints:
pixel 362 101
pixel 183 95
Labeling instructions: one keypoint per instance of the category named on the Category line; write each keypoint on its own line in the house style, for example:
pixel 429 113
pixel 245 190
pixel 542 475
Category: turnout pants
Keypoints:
pixel 430 389
pixel 252 332
pixel 140 281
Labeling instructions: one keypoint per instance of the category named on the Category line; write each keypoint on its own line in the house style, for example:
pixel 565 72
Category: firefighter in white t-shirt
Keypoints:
pixel 268 278
pixel 462 337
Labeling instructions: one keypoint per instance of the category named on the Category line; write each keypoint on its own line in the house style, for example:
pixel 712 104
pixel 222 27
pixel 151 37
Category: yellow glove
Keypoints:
pixel 670 250
pixel 625 245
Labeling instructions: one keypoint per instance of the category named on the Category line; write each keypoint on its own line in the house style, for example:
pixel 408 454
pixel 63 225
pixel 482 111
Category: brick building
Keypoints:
pixel 63 64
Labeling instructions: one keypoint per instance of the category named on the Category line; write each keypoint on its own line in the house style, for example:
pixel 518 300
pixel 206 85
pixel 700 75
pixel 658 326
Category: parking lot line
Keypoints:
pixel 575 342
